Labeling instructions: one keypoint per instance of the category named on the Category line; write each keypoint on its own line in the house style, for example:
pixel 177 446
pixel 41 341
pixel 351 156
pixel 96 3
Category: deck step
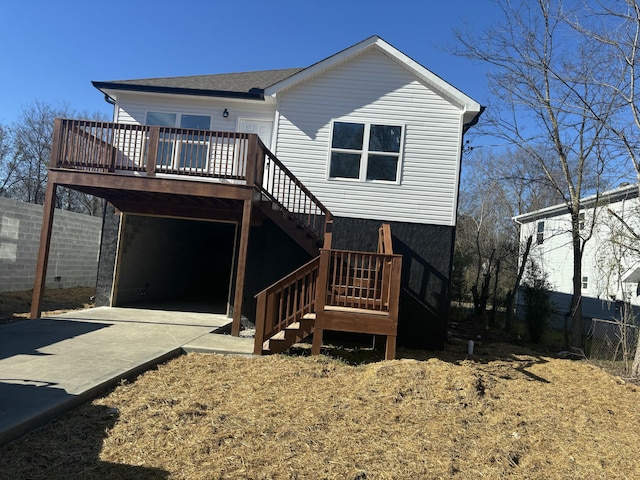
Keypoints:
pixel 293 333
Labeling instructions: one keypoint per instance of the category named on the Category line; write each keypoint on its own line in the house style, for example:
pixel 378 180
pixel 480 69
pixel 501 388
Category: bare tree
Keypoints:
pixel 541 76
pixel 28 154
pixel 497 186
pixel 614 25
pixel 31 136
pixel 7 166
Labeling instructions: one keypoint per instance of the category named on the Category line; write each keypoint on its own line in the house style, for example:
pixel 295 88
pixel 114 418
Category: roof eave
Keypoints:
pixel 605 198
pixel 105 87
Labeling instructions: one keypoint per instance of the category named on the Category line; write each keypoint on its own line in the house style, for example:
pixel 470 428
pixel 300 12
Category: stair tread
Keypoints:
pixel 278 336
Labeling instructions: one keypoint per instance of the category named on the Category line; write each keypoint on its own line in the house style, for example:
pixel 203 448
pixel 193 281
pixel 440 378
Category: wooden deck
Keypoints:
pixel 142 169
pixel 228 176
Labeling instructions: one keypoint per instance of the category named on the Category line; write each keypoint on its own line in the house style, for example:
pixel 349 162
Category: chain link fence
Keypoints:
pixel 612 344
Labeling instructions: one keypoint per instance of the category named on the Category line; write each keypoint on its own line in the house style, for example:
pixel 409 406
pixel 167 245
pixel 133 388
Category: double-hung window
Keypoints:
pixel 540 233
pixel 365 151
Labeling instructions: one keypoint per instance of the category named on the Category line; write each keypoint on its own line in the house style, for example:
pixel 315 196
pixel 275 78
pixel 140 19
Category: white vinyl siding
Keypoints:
pixel 133 108
pixel 373 88
pixel 555 254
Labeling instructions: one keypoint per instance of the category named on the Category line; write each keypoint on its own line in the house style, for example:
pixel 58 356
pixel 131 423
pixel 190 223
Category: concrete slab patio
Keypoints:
pixel 51 365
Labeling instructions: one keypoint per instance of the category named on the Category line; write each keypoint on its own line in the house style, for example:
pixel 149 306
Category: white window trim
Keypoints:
pixel 540 234
pixel 177 150
pixel 584 282
pixel 364 153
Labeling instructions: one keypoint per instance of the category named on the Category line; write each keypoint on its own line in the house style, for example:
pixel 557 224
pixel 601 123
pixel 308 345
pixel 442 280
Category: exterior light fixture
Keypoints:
pixel 225 114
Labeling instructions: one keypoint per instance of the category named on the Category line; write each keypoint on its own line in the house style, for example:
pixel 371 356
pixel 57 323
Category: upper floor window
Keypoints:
pixel 161 119
pixel 364 151
pixel 165 119
pixel 540 233
pixel 581 220
pixel 585 283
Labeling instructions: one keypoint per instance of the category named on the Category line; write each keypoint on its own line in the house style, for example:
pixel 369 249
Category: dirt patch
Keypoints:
pixel 16 306
pixel 503 412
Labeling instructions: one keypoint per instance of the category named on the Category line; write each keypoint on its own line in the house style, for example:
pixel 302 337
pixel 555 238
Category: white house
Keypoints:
pixel 369 134
pixel 610 266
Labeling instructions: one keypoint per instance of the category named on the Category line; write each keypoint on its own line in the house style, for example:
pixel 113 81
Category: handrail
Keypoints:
pixel 285 302
pixel 358 292
pixel 229 156
pixel 362 280
pixel 282 187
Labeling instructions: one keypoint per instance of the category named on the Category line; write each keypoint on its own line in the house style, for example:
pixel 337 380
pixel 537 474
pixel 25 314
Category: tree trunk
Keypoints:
pixel 575 312
pixel 481 297
pixel 494 301
pixel 635 369
pixel 511 295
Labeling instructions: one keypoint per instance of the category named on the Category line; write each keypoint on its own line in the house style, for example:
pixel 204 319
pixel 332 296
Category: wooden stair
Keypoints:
pixel 292 334
pixel 339 290
pixel 288 222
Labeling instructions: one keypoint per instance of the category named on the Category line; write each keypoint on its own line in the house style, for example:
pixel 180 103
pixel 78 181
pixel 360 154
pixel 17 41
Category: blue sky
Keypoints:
pixel 53 49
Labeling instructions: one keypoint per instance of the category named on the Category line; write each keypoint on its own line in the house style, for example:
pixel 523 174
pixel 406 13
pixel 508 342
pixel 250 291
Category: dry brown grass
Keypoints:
pixel 16 305
pixel 499 414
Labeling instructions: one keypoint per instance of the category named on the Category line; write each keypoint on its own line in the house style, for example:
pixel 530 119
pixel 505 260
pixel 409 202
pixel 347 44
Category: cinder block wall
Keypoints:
pixel 73 257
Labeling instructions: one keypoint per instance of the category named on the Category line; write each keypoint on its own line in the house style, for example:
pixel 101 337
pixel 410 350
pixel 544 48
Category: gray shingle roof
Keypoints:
pixel 250 84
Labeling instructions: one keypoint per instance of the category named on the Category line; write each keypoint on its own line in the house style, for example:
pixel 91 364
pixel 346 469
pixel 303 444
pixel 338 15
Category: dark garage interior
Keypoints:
pixel 174 264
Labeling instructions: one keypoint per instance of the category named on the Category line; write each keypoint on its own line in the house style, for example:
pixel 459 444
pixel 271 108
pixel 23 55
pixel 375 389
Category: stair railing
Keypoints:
pixel 285 302
pixel 280 186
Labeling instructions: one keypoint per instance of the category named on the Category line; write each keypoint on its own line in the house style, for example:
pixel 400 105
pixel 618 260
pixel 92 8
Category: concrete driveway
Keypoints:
pixel 48 366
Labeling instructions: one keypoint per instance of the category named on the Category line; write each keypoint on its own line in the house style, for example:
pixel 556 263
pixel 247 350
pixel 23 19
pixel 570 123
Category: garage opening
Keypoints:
pixel 174 264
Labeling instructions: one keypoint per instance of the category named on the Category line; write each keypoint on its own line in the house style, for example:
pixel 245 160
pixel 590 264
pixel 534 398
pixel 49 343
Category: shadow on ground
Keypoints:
pixel 70 449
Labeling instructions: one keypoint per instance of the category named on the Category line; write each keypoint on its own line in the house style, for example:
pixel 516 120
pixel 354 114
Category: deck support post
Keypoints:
pixel 390 348
pixel 328 233
pixel 242 266
pixel 43 251
pixel 316 343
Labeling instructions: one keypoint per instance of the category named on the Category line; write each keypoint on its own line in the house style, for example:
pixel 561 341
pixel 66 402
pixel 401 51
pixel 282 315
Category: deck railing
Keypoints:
pixel 285 302
pixel 360 280
pixel 225 156
pixel 343 281
pixel 117 147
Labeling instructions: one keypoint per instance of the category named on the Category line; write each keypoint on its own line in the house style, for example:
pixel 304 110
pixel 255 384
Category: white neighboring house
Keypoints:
pixel 610 269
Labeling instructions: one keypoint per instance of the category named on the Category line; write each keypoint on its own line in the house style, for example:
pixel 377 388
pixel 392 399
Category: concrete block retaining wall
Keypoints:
pixel 73 257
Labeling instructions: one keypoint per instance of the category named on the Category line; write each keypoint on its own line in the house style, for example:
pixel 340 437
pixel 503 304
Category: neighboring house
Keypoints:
pixel 370 136
pixel 610 266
